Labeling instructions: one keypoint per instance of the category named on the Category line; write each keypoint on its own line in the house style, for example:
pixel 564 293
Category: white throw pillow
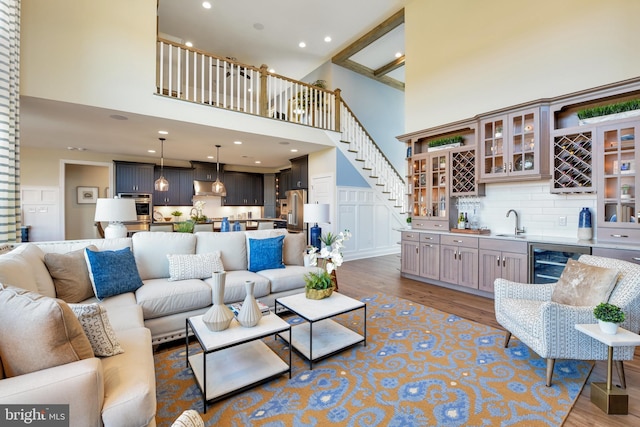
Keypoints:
pixel 95 323
pixel 196 266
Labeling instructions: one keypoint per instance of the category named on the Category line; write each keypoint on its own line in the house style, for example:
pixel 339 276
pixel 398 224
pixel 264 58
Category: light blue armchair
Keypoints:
pixel 548 328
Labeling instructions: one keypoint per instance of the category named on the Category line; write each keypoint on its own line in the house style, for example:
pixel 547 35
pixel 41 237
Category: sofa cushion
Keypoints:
pixel 234 290
pixel 24 267
pixel 266 253
pixel 151 248
pixel 232 247
pixel 38 332
pixel 194 266
pixel 112 272
pixel 70 275
pixel 160 297
pixel 293 248
pixel 584 285
pixel 129 382
pixel 95 323
pixel 291 277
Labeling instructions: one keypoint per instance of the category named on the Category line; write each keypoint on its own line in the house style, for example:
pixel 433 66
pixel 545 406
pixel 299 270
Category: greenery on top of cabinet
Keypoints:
pixel 446 141
pixel 604 110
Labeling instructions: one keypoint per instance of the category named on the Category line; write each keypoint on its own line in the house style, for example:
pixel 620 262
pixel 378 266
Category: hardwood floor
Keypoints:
pixel 365 277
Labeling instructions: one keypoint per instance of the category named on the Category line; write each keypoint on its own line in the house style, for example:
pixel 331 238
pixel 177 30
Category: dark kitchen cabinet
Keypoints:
pixel 132 177
pixel 204 171
pixel 180 187
pixel 284 183
pixel 299 172
pixel 243 189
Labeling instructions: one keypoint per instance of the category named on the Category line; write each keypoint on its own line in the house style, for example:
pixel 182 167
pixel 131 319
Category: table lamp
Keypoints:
pixel 315 213
pixel 115 211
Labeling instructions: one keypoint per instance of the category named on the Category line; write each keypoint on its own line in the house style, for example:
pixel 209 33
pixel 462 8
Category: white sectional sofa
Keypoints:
pixel 119 390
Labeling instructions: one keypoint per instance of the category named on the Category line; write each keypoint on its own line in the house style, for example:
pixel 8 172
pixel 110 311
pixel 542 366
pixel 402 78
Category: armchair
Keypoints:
pixel 548 328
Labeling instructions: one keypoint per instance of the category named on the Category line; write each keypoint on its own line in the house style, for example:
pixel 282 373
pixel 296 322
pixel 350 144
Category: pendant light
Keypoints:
pixel 217 187
pixel 161 183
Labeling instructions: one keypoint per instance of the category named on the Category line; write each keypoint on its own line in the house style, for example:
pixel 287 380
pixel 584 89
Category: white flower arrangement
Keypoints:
pixel 331 253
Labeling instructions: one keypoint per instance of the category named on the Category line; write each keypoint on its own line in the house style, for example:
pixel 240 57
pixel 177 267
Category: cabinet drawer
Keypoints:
pixel 622 254
pixel 504 245
pixel 411 236
pixel 430 238
pixel 463 241
pixel 422 224
pixel 619 235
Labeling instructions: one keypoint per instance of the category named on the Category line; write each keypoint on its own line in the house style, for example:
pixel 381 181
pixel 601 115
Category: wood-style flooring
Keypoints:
pixel 361 278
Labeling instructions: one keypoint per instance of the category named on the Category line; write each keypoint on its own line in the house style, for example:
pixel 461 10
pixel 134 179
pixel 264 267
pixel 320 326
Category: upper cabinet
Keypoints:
pixel 180 187
pixel 515 146
pixel 283 183
pixel 204 171
pixel 243 189
pixel 299 173
pixel 134 177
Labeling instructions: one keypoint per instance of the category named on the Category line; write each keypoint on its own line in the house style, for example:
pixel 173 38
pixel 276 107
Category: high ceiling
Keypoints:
pixel 253 31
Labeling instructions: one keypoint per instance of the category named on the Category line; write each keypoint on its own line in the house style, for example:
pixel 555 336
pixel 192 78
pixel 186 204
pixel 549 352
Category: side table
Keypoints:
pixel 610 400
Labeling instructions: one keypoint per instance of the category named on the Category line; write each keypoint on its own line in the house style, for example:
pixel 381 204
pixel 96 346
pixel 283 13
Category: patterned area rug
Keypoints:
pixel 420 367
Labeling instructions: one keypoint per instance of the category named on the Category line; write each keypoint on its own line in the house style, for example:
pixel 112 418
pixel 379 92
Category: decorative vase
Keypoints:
pixel 250 313
pixel 585 230
pixel 218 317
pixel 237 226
pixel 225 226
pixel 318 293
pixel 608 327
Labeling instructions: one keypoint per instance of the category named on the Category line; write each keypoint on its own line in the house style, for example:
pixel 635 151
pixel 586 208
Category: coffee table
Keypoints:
pixel 321 337
pixel 235 359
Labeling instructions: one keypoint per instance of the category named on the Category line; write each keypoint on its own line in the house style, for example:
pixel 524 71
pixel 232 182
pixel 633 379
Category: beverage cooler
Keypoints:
pixel 547 260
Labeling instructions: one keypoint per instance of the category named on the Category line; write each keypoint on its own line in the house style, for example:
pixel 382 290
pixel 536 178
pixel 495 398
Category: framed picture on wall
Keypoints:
pixel 87 195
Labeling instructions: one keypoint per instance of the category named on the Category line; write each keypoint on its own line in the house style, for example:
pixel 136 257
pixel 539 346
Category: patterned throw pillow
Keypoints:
pixel 265 254
pixel 194 266
pixel 95 323
pixel 112 272
pixel 189 418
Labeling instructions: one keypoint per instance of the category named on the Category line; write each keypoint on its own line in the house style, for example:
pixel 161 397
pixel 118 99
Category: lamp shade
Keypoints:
pixel 116 210
pixel 316 213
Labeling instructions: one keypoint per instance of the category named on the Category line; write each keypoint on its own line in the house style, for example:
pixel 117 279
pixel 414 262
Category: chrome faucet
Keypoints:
pixel 517 230
pixel 193 212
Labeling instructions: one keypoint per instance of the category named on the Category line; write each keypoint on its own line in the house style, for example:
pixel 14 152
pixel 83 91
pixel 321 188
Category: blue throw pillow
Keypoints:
pixel 265 254
pixel 112 272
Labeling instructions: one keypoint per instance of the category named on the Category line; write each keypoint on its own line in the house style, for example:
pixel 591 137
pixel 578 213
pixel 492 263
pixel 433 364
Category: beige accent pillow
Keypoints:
pixel 293 248
pixel 38 332
pixel 189 418
pixel 584 285
pixel 196 266
pixel 95 323
pixel 70 275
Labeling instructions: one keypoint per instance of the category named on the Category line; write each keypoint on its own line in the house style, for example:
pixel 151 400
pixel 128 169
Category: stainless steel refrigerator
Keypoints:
pixel 295 205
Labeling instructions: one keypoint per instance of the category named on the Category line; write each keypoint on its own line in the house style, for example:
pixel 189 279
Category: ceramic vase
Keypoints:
pixel 585 230
pixel 218 317
pixel 237 226
pixel 250 313
pixel 608 327
pixel 225 226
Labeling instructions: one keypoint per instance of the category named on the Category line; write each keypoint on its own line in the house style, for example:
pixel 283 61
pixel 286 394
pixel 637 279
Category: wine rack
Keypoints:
pixel 573 163
pixel 463 179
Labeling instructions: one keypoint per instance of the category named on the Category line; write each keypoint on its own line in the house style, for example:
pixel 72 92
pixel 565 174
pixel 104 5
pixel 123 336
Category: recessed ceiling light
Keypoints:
pixel 206 5
pixel 294 150
pixel 210 157
pixel 118 117
pixel 189 44
pixel 398 54
pixel 258 26
pixel 284 142
pixel 327 39
pixel 163 132
pixel 237 142
pixel 257 162
pixel 151 151
pixel 302 44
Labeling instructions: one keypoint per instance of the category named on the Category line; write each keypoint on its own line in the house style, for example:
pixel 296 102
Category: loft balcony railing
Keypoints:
pixel 196 76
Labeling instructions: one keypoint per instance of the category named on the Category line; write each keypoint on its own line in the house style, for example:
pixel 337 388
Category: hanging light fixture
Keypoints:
pixel 161 183
pixel 217 187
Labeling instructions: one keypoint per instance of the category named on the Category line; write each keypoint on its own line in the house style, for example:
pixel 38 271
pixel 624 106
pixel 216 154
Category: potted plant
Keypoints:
pixel 184 227
pixel 409 221
pixel 319 285
pixel 442 143
pixel 609 317
pixel 614 111
pixel 176 215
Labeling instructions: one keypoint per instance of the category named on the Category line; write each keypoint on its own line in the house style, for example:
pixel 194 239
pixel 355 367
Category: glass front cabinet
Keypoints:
pixel 515 146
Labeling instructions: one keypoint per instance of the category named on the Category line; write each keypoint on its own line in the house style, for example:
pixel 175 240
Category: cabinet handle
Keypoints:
pixel 510 166
pixel 429 246
pixel 504 262
pixel 635 258
pixel 428 238
pixel 457 241
pixel 455 255
pixel 417 251
pixel 409 236
pixel 437 225
pixel 498 261
pixel 619 235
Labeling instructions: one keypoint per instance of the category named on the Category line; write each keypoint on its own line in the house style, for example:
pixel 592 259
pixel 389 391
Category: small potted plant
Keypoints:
pixel 409 222
pixel 318 285
pixel 176 215
pixel 609 317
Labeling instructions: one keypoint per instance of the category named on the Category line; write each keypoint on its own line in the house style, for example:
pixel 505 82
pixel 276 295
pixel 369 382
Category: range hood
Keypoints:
pixel 206 188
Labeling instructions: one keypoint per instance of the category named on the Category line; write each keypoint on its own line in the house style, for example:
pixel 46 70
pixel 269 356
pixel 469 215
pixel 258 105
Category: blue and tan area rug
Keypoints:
pixel 421 367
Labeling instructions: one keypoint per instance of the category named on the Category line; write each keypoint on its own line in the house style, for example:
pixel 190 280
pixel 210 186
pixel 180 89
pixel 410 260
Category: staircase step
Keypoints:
pixel 374 176
pixel 380 185
pixel 367 169
pixel 352 151
pixel 359 160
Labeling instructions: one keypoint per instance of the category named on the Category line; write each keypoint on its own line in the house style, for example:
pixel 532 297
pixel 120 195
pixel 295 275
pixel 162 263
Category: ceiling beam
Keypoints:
pixel 342 58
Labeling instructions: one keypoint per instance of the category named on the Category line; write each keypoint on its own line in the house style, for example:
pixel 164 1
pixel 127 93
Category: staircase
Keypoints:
pixel 191 75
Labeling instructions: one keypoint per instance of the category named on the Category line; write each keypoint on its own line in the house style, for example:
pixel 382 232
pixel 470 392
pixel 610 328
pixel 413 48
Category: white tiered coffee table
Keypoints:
pixel 322 337
pixel 235 359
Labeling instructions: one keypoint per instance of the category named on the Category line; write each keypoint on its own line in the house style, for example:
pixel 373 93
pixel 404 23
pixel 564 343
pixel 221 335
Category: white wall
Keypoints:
pixel 470 57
